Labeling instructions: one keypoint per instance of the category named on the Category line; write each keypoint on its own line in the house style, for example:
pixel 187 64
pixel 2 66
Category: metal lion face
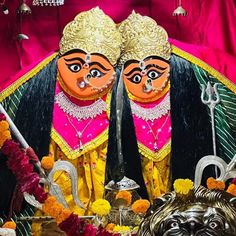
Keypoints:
pixel 206 213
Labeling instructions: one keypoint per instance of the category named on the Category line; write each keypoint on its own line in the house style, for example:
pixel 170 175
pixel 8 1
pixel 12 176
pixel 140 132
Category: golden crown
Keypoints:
pixel 142 37
pixel 93 32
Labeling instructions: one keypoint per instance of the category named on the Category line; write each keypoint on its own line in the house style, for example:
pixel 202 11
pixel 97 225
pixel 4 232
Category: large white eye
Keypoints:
pixel 74 67
pixel 96 73
pixel 174 225
pixel 136 79
pixel 152 74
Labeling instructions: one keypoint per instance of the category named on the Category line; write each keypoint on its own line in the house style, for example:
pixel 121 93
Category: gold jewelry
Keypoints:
pixel 79 134
pixel 142 37
pixel 93 32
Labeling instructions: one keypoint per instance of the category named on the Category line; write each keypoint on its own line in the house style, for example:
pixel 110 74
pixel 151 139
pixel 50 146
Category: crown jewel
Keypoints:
pixel 93 32
pixel 142 37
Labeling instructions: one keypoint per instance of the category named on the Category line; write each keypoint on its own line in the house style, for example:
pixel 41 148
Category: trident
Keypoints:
pixel 227 171
pixel 212 93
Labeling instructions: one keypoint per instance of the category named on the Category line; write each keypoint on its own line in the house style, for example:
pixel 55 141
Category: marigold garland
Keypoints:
pixel 183 186
pixel 125 195
pixel 28 181
pixel 212 183
pixel 140 206
pixel 101 207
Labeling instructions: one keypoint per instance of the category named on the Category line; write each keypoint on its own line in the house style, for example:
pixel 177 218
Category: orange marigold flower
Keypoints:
pixel 9 225
pixel 220 185
pixel 6 134
pixel 48 203
pixel 63 216
pixel 140 206
pixel 215 184
pixel 110 227
pixel 47 162
pixel 126 195
pixel 232 189
pixel 4 125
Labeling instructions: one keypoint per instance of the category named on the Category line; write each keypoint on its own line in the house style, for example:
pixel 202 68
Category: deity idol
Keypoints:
pixel 165 124
pixel 61 106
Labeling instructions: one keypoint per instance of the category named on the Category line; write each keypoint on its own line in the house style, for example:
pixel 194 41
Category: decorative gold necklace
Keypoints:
pixel 155 136
pixel 79 134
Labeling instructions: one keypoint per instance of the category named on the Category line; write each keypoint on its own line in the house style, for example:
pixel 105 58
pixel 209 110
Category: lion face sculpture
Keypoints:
pixel 204 213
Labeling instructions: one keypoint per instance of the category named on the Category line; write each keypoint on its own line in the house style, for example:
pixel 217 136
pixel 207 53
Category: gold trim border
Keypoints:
pixel 73 154
pixel 223 79
pixel 158 156
pixel 15 85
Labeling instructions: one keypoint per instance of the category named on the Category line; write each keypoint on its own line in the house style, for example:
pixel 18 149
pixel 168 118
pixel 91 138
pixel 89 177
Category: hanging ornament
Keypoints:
pixel 180 11
pixel 20 37
pixel 4 8
pixel 48 2
pixel 24 9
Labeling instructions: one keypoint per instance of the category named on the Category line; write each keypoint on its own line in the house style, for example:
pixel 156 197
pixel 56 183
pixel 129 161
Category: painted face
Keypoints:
pixel 85 76
pixel 146 80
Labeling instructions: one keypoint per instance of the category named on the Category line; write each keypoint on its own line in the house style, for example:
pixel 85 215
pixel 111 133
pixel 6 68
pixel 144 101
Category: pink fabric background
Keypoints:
pixel 210 23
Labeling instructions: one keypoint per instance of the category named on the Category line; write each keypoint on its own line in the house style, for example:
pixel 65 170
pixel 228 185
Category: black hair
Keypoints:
pixel 35 111
pixel 132 159
pixel 191 130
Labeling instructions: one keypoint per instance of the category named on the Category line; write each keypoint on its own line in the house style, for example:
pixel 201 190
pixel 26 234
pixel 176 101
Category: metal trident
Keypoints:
pixel 213 99
pixel 227 171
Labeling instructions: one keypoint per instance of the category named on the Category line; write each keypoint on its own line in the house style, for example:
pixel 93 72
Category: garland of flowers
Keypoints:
pixel 28 181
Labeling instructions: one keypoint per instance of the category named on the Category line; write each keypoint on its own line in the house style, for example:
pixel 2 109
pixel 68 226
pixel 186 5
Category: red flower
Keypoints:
pixel 32 155
pixel 10 147
pixel 2 116
pixel 71 226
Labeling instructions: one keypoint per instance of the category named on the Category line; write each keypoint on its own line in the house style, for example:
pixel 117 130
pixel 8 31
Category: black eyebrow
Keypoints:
pixel 133 70
pixel 99 64
pixel 75 58
pixel 156 66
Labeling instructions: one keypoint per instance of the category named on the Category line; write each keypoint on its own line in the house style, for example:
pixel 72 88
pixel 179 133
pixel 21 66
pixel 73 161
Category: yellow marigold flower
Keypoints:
pixel 121 229
pixel 183 186
pixel 4 125
pixel 126 195
pixel 140 206
pixel 47 162
pixel 101 207
pixel 110 227
pixel 232 189
pixel 9 225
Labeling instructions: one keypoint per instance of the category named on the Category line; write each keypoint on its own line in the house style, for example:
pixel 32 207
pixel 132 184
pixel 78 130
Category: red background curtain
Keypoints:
pixel 209 23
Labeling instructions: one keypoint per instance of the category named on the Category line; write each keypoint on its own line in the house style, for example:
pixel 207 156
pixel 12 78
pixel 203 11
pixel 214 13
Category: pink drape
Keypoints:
pixel 209 23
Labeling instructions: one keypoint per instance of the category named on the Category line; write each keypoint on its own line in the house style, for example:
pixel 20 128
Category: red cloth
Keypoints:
pixel 209 23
